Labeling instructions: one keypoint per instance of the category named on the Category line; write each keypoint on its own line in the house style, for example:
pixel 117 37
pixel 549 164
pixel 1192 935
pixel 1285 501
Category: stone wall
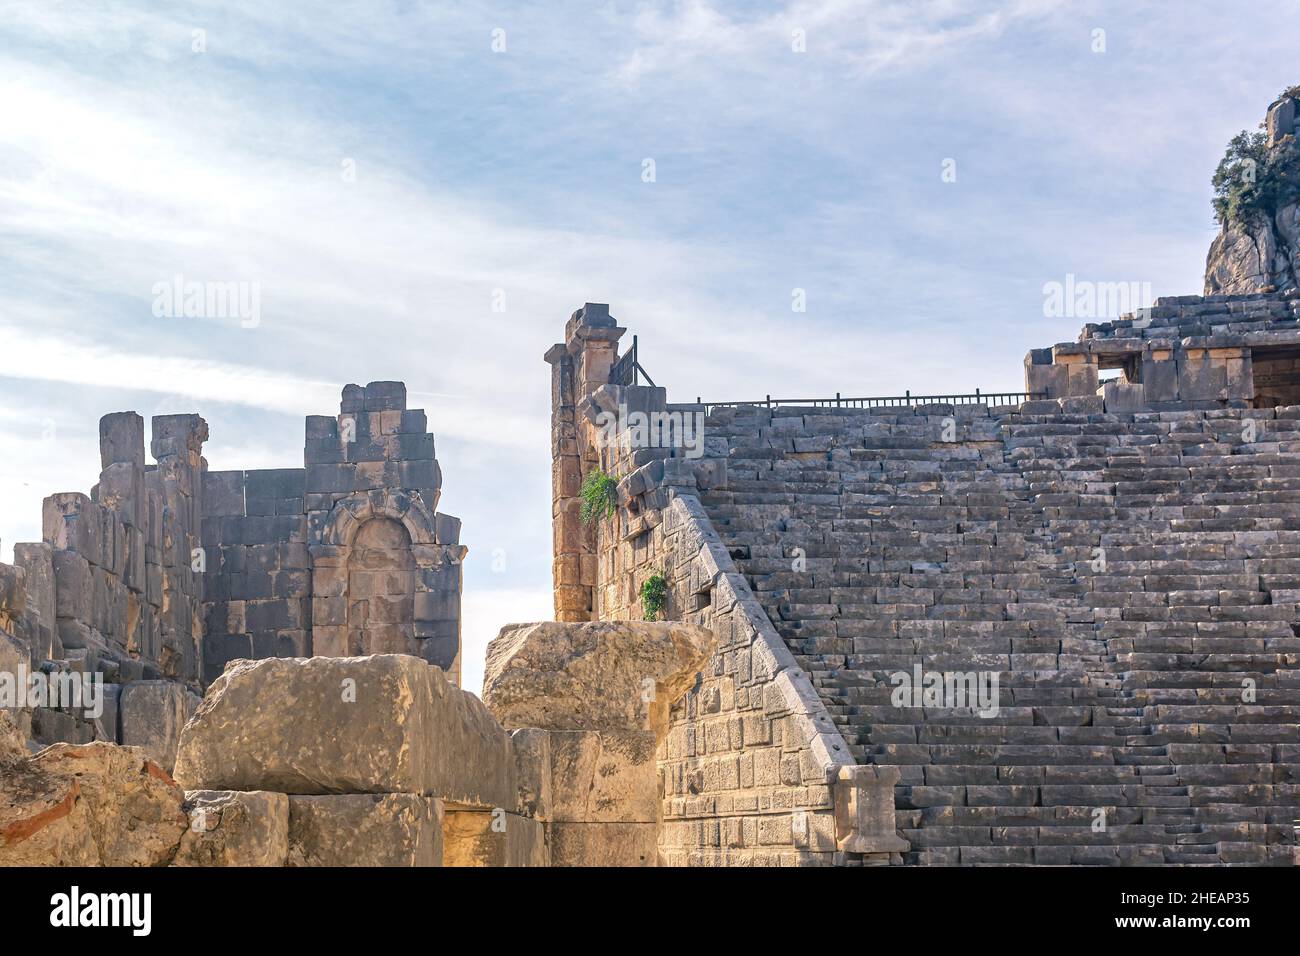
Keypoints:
pixel 1185 352
pixel 112 590
pixel 751 766
pixel 166 572
pixel 346 556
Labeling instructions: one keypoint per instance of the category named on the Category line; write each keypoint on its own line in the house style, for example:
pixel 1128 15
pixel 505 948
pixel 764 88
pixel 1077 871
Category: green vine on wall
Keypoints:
pixel 654 596
pixel 599 496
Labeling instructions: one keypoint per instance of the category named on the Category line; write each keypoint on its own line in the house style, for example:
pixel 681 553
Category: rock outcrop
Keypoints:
pixel 600 690
pixel 600 674
pixel 94 804
pixel 1260 252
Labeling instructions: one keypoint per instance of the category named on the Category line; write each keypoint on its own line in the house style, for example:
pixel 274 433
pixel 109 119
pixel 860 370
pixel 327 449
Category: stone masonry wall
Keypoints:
pixel 112 590
pixel 166 572
pixel 752 770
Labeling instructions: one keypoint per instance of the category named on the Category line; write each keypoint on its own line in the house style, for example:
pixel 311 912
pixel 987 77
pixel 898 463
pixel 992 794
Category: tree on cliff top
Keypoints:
pixel 1253 181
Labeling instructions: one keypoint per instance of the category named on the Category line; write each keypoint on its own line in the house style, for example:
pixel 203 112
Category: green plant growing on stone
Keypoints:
pixel 599 496
pixel 654 596
pixel 1252 182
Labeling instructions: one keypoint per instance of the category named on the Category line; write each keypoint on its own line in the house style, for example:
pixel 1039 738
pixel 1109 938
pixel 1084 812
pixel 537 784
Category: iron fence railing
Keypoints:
pixel 625 370
pixel 977 397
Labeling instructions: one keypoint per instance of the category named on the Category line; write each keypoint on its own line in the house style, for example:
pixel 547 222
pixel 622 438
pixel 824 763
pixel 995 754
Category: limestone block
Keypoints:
pixel 603 776
pixel 864 810
pixel 365 829
pixel 491 838
pixel 532 752
pixel 151 714
pixel 603 844
pixel 395 725
pixel 87 805
pixel 73 589
pixel 616 675
pixel 14 655
pixel 259 727
pixel 235 828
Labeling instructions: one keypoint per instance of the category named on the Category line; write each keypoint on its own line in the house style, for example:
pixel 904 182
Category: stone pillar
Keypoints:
pixel 177 446
pixel 579 366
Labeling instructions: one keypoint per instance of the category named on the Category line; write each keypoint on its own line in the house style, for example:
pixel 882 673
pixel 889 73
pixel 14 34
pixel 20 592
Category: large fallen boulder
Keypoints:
pixel 607 675
pixel 388 723
pixel 93 804
pixel 311 725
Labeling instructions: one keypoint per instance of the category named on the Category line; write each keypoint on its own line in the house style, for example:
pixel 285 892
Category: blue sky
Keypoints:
pixel 127 157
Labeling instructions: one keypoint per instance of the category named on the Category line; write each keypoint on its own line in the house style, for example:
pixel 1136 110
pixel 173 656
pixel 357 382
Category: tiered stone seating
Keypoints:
pixel 1131 579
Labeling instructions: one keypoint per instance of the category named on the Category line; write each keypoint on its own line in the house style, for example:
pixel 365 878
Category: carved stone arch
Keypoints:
pixel 434 622
pixel 405 507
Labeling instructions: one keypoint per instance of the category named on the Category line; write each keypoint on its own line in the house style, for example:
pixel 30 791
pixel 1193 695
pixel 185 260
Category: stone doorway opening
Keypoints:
pixel 1276 374
pixel 381 590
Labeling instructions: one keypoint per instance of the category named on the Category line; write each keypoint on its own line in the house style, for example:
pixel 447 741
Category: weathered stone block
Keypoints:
pixel 490 838
pixel 603 776
pixel 605 674
pixel 151 715
pixel 603 844
pixel 532 752
pixel 380 829
pixel 397 725
pixel 95 804
pixel 235 828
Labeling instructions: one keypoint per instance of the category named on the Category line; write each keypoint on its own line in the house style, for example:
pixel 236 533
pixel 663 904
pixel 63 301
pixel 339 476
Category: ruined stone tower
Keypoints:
pixel 168 571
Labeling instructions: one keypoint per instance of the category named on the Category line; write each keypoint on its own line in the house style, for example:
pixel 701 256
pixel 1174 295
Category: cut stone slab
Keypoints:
pixel 94 804
pixel 532 752
pixel 150 716
pixel 604 776
pixel 487 838
pixel 312 725
pixel 617 675
pixel 235 828
pixel 388 723
pixel 389 829
pixel 603 844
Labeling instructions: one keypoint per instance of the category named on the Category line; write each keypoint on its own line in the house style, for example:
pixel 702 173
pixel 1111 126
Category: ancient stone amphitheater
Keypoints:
pixel 1057 626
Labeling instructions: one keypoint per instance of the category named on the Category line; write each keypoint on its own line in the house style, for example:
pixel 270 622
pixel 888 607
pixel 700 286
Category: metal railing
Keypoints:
pixel 907 399
pixel 625 370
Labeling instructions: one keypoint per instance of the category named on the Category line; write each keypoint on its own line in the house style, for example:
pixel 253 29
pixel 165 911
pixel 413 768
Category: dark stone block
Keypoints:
pixel 321 427
pixel 354 398
pixel 385 396
pixel 275 483
pixel 439 651
pixel 414 422
pixel 121 439
pixel 416 447
pixel 220 649
pixel 223 493
pixel 324 451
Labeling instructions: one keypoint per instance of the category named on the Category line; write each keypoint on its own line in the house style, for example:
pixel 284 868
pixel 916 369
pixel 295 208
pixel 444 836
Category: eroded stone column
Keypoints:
pixel 579 366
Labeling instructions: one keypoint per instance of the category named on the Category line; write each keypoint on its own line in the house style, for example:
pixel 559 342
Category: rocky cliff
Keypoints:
pixel 1257 202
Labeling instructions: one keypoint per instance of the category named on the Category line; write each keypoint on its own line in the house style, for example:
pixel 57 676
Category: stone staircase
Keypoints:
pixel 1130 579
